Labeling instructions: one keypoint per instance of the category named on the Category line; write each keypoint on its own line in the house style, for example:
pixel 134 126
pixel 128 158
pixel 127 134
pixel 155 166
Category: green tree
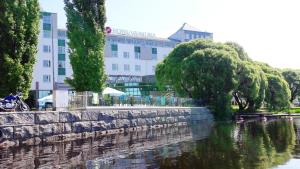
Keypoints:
pixel 277 94
pixel 203 70
pixel 250 91
pixel 240 51
pixel 85 23
pixel 19 29
pixel 292 77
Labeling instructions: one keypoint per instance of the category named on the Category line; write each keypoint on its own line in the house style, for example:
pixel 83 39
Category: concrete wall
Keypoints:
pixel 33 128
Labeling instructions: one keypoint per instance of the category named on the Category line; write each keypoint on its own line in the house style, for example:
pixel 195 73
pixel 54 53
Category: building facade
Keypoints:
pixel 130 57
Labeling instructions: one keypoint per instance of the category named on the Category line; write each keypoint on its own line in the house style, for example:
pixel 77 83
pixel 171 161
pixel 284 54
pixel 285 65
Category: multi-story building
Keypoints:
pixel 187 33
pixel 130 57
pixel 52 62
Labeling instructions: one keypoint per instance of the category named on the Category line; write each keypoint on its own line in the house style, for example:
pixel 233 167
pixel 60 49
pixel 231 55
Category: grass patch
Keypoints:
pixel 294 110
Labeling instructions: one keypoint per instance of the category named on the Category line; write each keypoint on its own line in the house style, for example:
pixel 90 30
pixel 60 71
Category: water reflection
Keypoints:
pixel 250 145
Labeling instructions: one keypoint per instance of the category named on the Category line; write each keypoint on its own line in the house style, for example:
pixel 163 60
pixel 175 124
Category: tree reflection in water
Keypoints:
pixel 252 145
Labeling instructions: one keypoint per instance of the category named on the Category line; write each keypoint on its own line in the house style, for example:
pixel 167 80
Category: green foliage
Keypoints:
pixel 85 25
pixel 240 51
pixel 292 77
pixel 211 72
pixel 278 93
pixel 203 70
pixel 249 92
pixel 19 29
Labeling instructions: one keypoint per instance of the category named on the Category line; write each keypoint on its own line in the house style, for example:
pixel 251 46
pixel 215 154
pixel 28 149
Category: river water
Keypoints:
pixel 248 145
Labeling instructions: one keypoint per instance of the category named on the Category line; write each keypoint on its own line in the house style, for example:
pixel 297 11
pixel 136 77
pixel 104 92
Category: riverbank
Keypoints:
pixel 33 128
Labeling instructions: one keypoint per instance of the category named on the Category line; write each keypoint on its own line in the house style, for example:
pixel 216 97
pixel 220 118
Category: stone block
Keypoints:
pixel 91 115
pixel 6 133
pixel 17 118
pixel 141 122
pixel 170 120
pixel 69 117
pixel 107 117
pixel 133 114
pixel 174 112
pixel 67 127
pixel 133 123
pixel 182 119
pixel 47 118
pixel 100 126
pixel 148 121
pixel 187 112
pixel 149 114
pixel 79 127
pixel 122 114
pixel 51 129
pixel 25 132
pixel 161 113
pixel 122 123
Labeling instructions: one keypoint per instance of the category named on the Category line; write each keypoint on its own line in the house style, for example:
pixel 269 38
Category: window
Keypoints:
pixel 137 52
pixel 61 42
pixel 154 53
pixel 61 50
pixel 46 78
pixel 126 55
pixel 46 48
pixel 61 71
pixel 61 34
pixel 61 56
pixel 46 17
pixel 47 26
pixel 190 36
pixel 137 68
pixel 114 47
pixel 114 50
pixel 46 34
pixel 126 67
pixel 154 50
pixel 153 69
pixel 115 67
pixel 187 36
pixel 46 63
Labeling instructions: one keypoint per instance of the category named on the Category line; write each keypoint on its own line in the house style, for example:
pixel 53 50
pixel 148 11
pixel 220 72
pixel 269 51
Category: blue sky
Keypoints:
pixel 269 30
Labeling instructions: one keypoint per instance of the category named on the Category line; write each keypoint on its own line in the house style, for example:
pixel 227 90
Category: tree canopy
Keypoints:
pixel 292 77
pixel 85 23
pixel 19 30
pixel 215 73
pixel 201 69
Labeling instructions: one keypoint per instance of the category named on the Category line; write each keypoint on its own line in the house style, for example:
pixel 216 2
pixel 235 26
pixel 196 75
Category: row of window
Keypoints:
pixel 137 52
pixel 115 67
pixel 195 36
pixel 47 49
pixel 126 68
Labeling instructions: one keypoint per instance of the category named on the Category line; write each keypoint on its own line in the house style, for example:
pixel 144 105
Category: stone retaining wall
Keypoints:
pixel 32 128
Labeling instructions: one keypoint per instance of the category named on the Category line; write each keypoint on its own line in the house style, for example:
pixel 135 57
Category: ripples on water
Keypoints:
pixel 213 146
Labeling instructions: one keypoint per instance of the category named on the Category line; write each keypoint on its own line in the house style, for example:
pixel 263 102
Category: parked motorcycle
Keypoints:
pixel 13 102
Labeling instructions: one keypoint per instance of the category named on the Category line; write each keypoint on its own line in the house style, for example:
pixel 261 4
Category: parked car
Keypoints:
pixel 46 102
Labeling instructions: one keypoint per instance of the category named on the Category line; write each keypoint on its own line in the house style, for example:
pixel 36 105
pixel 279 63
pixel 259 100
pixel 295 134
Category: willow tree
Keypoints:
pixel 292 77
pixel 204 70
pixel 85 23
pixel 19 29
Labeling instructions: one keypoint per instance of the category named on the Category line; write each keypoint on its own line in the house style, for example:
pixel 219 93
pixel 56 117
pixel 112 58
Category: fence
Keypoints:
pixel 87 99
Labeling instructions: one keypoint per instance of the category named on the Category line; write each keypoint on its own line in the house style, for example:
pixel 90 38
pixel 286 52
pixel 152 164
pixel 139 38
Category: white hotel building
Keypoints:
pixel 130 57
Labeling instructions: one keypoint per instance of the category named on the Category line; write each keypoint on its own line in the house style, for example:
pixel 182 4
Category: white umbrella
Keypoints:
pixel 112 92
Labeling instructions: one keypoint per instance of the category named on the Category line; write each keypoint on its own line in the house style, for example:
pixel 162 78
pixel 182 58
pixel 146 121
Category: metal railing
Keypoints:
pixel 88 99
